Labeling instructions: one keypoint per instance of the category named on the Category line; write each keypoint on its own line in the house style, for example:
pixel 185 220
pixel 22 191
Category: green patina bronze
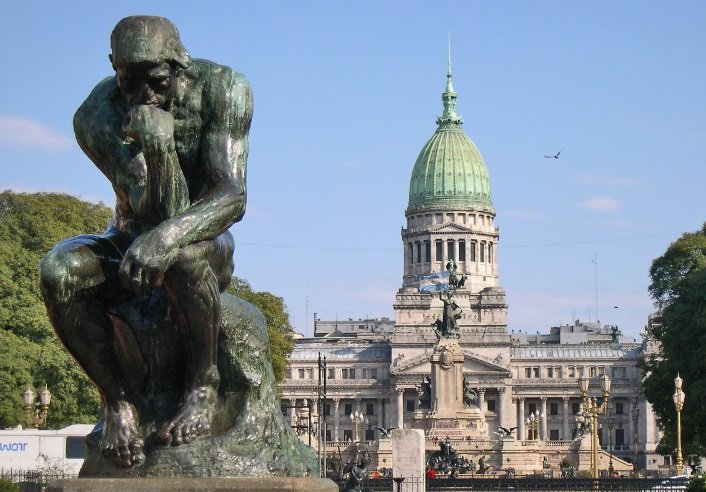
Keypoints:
pixel 182 367
pixel 450 173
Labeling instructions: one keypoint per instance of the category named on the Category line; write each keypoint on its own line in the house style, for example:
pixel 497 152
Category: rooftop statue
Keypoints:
pixel 447 326
pixel 178 363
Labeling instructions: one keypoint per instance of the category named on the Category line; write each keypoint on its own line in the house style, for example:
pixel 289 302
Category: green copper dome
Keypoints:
pixel 450 173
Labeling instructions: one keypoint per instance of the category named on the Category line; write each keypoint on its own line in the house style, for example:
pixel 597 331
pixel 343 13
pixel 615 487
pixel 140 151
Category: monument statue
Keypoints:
pixel 470 397
pixel 424 390
pixel 178 362
pixel 447 326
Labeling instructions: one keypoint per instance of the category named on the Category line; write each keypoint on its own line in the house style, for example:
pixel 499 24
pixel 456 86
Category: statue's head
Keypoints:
pixel 147 54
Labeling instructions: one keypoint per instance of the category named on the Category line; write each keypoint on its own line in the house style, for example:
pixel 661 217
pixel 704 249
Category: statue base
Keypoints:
pixel 193 484
pixel 249 436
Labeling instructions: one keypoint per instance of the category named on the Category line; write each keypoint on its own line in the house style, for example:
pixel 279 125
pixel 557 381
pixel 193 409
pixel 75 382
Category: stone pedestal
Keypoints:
pixel 243 484
pixel 408 456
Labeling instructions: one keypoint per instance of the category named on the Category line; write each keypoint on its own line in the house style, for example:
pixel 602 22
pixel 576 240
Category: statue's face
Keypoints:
pixel 149 84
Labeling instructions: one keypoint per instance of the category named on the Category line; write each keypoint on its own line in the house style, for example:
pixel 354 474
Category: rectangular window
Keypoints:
pixel 474 248
pixel 332 373
pixel 553 434
pixel 288 373
pixel 439 218
pixel 532 407
pixel 528 372
pixel 490 252
pixel 419 252
pixel 594 372
pixel 348 435
pixel 302 373
pixel 410 405
pixel 462 218
pixel 619 409
pixel 439 250
pixel 327 409
pixel 427 251
pixel 550 372
pixel 372 373
pixel 482 252
pixel 619 437
pixel 572 372
pixel 451 249
pixel 491 405
pixel 410 247
pixel 347 409
pixel 623 372
pixel 575 408
pixel 462 250
pixel 75 447
pixel 369 435
pixel 535 372
pixel 369 409
pixel 553 409
pixel 328 435
pixel 310 374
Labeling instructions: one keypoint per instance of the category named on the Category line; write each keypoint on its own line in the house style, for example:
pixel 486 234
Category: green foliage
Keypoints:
pixel 697 483
pixel 8 486
pixel 30 353
pixel 678 285
pixel 278 328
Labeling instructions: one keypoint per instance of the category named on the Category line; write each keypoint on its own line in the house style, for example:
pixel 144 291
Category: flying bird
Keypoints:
pixel 385 433
pixel 555 156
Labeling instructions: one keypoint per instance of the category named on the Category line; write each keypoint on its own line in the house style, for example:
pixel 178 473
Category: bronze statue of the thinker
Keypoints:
pixel 142 307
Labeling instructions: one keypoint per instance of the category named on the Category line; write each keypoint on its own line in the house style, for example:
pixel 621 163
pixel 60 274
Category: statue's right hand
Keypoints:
pixel 149 125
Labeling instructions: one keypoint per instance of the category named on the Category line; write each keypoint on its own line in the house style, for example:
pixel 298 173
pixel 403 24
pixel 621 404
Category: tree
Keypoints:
pixel 278 328
pixel 30 353
pixel 678 286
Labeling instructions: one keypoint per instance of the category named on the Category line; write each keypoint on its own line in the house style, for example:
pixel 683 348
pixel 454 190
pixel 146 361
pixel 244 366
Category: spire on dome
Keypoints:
pixel 449 116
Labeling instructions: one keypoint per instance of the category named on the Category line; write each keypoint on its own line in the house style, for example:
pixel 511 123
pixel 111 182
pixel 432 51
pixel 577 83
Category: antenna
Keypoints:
pixel 449 63
pixel 595 282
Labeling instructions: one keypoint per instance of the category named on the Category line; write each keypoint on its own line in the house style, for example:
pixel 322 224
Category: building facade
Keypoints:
pixel 527 382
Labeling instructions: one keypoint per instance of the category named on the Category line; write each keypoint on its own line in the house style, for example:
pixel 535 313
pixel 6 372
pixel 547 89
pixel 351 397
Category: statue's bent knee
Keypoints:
pixel 66 269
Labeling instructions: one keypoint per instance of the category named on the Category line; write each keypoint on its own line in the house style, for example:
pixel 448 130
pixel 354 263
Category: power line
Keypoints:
pixel 516 246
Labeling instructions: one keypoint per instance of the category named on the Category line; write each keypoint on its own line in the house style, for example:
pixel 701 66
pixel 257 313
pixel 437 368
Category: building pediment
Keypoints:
pixel 450 229
pixel 472 364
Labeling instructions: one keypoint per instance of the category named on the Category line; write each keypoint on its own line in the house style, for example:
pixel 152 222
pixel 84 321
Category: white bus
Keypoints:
pixel 60 450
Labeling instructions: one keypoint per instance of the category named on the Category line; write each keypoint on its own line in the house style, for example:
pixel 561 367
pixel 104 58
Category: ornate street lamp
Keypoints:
pixel 357 418
pixel 36 412
pixel 533 422
pixel 593 409
pixel 610 420
pixel 679 397
pixel 635 412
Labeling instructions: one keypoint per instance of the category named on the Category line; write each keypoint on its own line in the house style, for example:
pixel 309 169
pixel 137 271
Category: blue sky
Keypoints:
pixel 346 94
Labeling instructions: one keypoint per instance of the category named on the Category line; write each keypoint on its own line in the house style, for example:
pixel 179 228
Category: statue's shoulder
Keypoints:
pixel 221 83
pixel 99 110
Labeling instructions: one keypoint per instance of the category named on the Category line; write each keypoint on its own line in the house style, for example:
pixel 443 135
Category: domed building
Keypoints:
pixel 379 370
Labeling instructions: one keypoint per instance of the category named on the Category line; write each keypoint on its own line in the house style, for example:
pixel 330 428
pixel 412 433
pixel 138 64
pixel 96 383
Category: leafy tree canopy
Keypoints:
pixel 278 328
pixel 678 285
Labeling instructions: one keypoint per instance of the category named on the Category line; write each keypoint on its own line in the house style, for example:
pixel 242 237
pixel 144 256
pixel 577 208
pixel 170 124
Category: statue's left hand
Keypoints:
pixel 146 261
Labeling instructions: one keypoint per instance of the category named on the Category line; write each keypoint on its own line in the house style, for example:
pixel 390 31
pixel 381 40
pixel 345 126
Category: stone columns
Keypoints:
pixel 565 420
pixel 481 400
pixel 521 419
pixel 336 404
pixel 292 411
pixel 543 422
pixel 502 397
pixel 400 407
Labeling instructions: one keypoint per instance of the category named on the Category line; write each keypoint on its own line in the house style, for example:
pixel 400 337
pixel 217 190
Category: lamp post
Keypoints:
pixel 593 409
pixel 36 412
pixel 357 418
pixel 679 397
pixel 610 420
pixel 635 412
pixel 533 422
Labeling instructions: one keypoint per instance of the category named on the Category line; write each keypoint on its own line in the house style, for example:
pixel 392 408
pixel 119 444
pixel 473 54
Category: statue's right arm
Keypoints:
pixel 98 130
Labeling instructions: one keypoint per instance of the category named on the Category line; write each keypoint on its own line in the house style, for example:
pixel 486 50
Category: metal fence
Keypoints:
pixel 32 480
pixel 529 484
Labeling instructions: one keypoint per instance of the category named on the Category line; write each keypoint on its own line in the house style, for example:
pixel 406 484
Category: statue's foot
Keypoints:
pixel 121 441
pixel 193 418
